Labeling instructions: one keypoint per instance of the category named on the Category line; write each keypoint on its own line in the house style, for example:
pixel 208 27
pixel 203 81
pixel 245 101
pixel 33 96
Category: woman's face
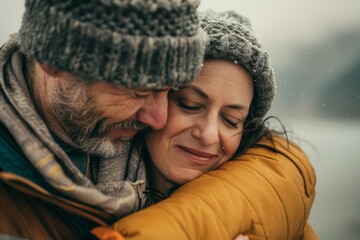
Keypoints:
pixel 205 123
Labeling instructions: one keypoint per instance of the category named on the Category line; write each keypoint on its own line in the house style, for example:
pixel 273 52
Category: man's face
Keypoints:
pixel 101 118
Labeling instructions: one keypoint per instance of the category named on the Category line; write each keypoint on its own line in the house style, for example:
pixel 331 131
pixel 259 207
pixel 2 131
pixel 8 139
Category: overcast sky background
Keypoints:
pixel 284 25
pixel 311 43
pixel 280 24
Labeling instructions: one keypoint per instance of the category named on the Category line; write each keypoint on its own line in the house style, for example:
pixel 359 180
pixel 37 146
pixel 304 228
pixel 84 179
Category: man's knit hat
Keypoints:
pixel 230 37
pixel 132 43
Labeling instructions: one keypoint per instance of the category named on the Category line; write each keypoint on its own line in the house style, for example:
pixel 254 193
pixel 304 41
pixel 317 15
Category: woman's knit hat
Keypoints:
pixel 132 43
pixel 230 37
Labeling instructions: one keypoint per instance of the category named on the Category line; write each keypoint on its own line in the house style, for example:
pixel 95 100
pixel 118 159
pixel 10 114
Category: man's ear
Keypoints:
pixel 52 72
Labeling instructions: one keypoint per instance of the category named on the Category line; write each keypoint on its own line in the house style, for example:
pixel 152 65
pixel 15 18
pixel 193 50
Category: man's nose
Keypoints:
pixel 154 110
pixel 206 130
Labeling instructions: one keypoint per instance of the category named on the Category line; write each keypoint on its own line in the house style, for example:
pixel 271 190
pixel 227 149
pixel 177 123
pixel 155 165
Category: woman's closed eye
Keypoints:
pixel 188 105
pixel 231 121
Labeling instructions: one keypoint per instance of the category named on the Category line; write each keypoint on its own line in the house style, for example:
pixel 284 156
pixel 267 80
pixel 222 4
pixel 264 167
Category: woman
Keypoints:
pixel 216 117
pixel 219 114
pixel 204 128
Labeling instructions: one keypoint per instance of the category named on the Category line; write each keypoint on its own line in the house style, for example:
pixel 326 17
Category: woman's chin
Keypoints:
pixel 187 177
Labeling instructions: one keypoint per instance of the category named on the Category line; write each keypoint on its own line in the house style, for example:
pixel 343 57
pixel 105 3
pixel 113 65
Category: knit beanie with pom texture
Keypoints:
pixel 230 37
pixel 131 43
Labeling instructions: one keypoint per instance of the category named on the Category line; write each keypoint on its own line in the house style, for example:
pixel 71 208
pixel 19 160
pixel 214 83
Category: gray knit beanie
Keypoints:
pixel 132 43
pixel 230 37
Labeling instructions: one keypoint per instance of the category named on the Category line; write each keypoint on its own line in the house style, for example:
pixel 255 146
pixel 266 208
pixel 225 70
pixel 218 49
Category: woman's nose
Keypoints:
pixel 206 130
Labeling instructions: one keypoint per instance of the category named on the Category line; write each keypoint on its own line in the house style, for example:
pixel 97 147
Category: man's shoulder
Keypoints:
pixel 9 149
pixel 12 158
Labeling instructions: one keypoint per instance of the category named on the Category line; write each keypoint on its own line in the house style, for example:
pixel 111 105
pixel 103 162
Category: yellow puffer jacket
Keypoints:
pixel 266 193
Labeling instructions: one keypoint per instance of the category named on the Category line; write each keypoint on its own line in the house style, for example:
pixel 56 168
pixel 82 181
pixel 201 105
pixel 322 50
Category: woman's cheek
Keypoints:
pixel 233 145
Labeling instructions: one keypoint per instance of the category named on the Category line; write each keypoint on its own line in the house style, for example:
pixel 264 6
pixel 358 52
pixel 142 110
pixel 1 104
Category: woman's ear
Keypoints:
pixel 52 72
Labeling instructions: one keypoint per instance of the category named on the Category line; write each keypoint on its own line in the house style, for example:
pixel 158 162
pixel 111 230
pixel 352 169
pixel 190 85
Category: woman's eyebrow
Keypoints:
pixel 237 107
pixel 204 95
pixel 197 90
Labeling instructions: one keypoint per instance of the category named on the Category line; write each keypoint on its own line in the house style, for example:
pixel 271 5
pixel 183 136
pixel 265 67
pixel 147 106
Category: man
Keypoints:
pixel 78 81
pixel 76 84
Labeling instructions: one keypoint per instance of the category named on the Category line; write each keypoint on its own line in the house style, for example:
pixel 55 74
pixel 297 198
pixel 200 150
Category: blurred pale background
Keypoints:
pixel 315 50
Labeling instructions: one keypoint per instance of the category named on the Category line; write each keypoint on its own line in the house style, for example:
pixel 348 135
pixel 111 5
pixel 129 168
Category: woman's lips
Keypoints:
pixel 196 155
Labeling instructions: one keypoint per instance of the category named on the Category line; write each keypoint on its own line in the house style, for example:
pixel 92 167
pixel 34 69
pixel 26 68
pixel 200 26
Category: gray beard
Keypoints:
pixel 104 147
pixel 83 122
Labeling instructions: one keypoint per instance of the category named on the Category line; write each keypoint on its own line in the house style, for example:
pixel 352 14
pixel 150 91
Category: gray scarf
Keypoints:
pixel 115 193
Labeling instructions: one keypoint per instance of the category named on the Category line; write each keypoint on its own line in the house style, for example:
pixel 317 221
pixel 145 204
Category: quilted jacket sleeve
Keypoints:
pixel 265 194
